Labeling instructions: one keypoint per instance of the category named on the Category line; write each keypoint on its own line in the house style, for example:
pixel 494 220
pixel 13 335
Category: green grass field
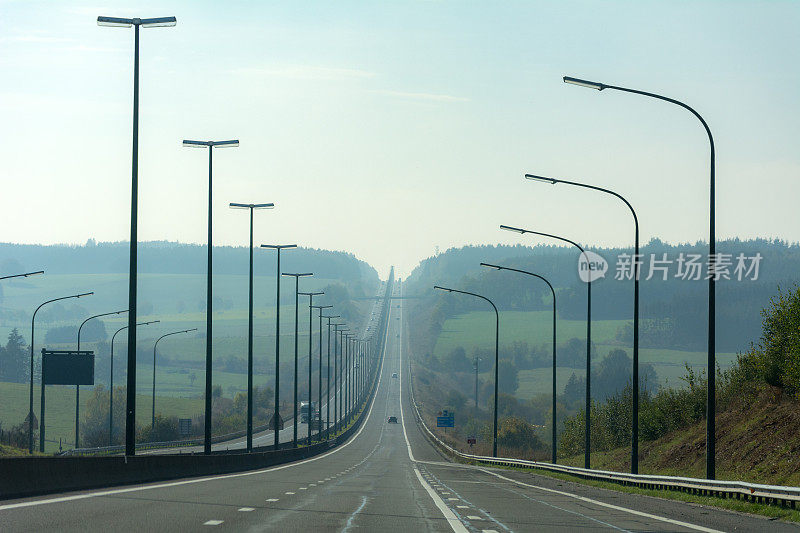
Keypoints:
pixel 476 330
pixel 60 409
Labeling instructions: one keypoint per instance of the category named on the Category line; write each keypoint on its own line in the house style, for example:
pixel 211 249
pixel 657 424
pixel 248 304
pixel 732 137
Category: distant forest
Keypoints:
pixel 175 258
pixel 673 311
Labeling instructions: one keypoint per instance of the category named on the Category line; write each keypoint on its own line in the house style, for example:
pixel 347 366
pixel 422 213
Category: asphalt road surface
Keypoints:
pixel 386 478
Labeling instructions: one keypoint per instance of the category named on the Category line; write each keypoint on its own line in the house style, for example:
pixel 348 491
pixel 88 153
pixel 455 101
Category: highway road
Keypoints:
pixel 386 478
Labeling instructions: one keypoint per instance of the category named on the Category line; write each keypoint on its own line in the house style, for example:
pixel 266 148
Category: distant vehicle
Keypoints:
pixel 307 411
pixel 392 420
pixel 394 374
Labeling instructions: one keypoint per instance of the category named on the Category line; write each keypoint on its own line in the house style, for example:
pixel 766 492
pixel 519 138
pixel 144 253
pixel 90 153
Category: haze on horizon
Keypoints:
pixel 390 130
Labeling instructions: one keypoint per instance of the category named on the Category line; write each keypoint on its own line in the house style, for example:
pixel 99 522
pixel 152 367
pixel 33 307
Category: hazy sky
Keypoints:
pixel 390 128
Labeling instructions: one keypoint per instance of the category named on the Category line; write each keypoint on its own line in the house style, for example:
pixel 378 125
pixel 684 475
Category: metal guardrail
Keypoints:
pixel 740 490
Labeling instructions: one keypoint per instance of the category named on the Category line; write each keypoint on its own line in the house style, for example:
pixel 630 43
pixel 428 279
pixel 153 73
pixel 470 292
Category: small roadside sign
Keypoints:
pixel 272 422
pixel 471 440
pixel 185 426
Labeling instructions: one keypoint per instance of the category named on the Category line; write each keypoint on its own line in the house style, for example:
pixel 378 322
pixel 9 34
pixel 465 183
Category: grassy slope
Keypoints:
pixel 743 453
pixel 476 330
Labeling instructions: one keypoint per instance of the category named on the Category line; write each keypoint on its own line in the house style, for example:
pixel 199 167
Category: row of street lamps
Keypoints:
pixel 711 359
pixel 130 423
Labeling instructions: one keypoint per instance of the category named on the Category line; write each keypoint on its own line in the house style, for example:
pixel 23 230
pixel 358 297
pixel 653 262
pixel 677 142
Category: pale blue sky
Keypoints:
pixel 388 129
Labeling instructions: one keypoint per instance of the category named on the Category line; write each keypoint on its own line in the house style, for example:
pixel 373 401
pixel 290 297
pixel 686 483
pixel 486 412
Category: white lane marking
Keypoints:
pixel 246 509
pixel 452 519
pixel 290 493
pixel 312 484
pixel 607 505
pixel 138 488
pixel 213 522
pixel 489 531
pixel 453 499
pixel 272 499
pixel 463 506
pixel 473 517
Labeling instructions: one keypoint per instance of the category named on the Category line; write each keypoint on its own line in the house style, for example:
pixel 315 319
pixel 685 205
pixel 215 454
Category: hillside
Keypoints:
pixel 740 454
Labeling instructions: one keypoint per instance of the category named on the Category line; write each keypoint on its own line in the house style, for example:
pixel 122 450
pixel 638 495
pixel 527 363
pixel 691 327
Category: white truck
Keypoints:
pixel 307 411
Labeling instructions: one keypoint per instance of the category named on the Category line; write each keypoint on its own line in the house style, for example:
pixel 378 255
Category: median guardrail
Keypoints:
pixel 739 490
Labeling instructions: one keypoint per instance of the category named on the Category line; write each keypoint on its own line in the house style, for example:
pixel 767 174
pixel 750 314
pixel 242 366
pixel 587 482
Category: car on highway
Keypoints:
pixel 392 420
pixel 394 374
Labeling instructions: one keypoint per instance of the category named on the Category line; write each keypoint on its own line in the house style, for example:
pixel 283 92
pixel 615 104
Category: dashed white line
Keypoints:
pixel 213 522
pixel 272 499
pixel 246 509
pixel 463 506
pixel 473 517
pixel 290 493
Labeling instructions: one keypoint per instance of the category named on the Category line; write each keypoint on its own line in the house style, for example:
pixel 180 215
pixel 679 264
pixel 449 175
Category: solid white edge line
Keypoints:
pixel 449 515
pixel 452 519
pixel 138 488
pixel 608 505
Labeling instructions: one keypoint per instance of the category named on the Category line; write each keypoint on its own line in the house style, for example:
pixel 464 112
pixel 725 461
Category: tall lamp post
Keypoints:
pixel 588 402
pixel 30 390
pixel 635 263
pixel 209 273
pixel 553 292
pixel 310 330
pixel 338 401
pixel 251 208
pixel 111 382
pixel 328 375
pixel 496 355
pixel 319 377
pixel 297 277
pixel 276 416
pixel 347 339
pixel 153 419
pixel 712 257
pixel 130 410
pixel 78 387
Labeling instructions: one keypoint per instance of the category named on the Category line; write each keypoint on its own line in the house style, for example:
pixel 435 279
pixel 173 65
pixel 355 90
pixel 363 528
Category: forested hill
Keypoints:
pixel 176 258
pixel 674 309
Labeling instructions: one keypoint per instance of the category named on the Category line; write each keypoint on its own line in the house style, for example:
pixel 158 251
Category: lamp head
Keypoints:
pixel 512 228
pixel 585 83
pixel 533 177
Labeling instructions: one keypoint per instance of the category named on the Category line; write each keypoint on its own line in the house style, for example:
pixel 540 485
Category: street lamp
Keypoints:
pixel 130 415
pixel 30 391
pixel 310 329
pixel 78 387
pixel 27 274
pixel 498 267
pixel 346 340
pixel 338 401
pixel 111 381
pixel 251 208
pixel 153 419
pixel 496 355
pixel 588 402
pixel 296 323
pixel 328 375
pixel 635 374
pixel 209 293
pixel 712 257
pixel 319 377
pixel 277 247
